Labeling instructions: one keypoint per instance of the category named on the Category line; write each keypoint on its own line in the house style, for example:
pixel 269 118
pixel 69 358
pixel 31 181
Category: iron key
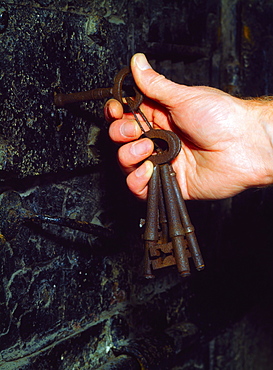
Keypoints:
pixel 165 199
pixel 116 91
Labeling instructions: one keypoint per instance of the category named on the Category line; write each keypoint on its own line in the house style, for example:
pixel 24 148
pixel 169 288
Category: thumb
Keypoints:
pixel 151 83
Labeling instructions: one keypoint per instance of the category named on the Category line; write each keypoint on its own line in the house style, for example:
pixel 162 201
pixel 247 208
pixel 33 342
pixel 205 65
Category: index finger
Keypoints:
pixel 113 110
pixel 124 130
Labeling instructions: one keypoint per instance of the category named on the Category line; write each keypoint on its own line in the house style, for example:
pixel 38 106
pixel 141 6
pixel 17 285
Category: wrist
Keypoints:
pixel 263 109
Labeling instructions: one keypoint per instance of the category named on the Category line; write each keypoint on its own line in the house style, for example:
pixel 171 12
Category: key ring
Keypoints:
pixel 117 90
pixel 171 142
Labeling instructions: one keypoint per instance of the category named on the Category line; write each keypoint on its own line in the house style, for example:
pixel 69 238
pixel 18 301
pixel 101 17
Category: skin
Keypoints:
pixel 226 141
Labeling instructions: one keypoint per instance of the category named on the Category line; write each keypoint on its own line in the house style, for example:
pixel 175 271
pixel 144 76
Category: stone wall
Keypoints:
pixel 71 300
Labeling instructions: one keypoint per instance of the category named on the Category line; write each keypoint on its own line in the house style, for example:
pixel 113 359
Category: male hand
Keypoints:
pixel 226 141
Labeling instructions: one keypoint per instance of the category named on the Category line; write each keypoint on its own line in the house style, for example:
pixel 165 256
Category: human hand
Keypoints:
pixel 226 141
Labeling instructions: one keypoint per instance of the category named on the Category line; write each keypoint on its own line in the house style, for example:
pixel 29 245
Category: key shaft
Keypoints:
pixel 151 224
pixel 176 231
pixel 116 91
pixel 61 99
pixel 188 227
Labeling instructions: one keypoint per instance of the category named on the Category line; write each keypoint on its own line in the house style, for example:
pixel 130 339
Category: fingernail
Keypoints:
pixel 108 111
pixel 141 147
pixel 141 170
pixel 128 129
pixel 142 62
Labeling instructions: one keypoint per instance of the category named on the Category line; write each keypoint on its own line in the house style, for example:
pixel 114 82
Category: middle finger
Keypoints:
pixel 131 154
pixel 124 130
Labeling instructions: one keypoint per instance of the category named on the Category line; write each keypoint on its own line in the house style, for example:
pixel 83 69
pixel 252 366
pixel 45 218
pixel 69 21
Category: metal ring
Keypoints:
pixel 117 89
pixel 172 145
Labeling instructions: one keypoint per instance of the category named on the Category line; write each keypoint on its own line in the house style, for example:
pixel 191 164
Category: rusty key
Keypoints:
pixel 188 227
pixel 116 91
pixel 177 241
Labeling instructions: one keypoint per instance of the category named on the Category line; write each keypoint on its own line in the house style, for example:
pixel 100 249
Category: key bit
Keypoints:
pixel 116 92
pixel 162 256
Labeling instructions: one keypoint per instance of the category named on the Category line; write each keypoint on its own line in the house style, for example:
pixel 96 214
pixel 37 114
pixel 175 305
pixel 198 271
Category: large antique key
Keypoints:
pixel 169 235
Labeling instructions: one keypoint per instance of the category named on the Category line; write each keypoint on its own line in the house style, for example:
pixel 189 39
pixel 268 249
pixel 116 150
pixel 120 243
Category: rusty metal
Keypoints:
pixel 163 221
pixel 169 234
pixel 176 230
pixel 151 234
pixel 13 215
pixel 83 226
pixel 188 227
pixel 170 142
pixel 116 92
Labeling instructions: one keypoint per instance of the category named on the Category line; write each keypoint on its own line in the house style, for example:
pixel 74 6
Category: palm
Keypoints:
pixel 209 157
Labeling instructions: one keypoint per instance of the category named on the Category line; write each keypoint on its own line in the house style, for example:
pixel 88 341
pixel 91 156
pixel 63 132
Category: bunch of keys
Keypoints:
pixel 169 237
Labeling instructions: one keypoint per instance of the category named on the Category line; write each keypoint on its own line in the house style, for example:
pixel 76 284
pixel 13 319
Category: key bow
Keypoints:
pixel 167 145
